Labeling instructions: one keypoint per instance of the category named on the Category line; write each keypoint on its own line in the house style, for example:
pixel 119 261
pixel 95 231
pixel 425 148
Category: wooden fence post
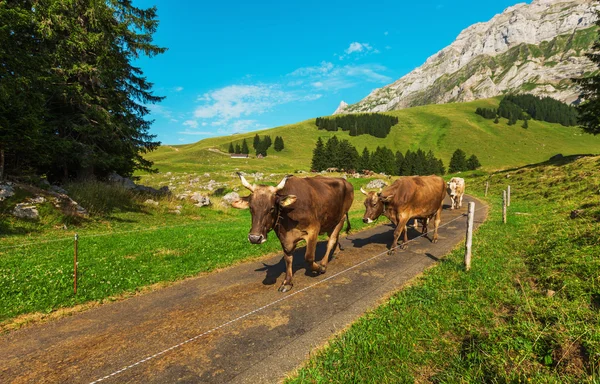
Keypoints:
pixel 469 242
pixel 75 265
pixel 504 206
pixel 508 196
pixel 487 185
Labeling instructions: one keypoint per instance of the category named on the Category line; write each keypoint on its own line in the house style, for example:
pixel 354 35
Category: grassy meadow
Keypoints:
pixel 442 128
pixel 528 311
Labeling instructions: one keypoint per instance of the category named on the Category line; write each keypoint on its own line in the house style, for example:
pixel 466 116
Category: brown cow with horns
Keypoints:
pixel 299 209
pixel 409 197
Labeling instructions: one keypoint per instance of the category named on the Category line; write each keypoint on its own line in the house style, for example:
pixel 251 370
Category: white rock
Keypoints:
pixel 6 190
pixel 37 200
pixel 151 202
pixel 230 198
pixel 24 211
pixel 377 183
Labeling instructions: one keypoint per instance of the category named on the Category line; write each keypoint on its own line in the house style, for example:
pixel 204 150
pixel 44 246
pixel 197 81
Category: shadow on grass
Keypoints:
pixel 554 160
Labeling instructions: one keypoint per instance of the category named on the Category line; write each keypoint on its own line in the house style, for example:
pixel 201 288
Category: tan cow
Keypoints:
pixel 456 189
pixel 408 197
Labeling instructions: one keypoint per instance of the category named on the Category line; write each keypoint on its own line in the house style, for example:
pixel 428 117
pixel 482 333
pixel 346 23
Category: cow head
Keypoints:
pixel 264 204
pixel 451 188
pixel 374 206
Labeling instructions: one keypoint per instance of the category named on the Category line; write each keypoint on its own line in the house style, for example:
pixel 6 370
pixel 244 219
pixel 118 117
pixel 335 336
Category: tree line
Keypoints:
pixel 260 145
pixel 73 104
pixel 341 154
pixel 374 124
pixel 525 107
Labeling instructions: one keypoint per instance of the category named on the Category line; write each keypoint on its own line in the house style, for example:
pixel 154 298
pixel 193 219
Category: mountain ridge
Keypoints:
pixel 534 48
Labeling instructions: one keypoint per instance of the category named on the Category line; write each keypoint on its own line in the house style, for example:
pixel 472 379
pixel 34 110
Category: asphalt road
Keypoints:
pixel 228 326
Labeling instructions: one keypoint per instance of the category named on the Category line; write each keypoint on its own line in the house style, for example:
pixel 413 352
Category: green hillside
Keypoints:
pixel 442 128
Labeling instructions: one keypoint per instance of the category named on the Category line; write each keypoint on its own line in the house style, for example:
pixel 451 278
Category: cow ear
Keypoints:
pixel 286 201
pixel 242 203
pixel 386 199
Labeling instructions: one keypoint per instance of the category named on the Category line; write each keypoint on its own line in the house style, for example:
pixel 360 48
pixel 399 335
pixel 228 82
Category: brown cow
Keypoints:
pixel 408 197
pixel 299 209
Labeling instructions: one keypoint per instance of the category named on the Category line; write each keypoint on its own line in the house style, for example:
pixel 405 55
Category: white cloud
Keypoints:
pixel 386 33
pixel 316 70
pixel 358 49
pixel 198 133
pixel 178 89
pixel 160 110
pixel 235 101
pixel 335 78
pixel 191 123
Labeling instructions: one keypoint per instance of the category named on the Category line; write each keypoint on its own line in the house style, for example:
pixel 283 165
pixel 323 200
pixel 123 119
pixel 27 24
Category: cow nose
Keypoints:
pixel 255 239
pixel 365 220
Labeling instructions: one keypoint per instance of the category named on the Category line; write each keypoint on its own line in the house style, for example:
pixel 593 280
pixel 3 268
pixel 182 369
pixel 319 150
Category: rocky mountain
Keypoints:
pixel 534 48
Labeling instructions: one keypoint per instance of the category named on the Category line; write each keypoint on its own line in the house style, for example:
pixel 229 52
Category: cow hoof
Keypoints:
pixel 390 252
pixel 285 288
pixel 322 269
pixel 341 247
pixel 434 241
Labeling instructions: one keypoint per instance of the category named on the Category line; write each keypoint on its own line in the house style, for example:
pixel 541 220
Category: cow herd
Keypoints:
pixel 303 208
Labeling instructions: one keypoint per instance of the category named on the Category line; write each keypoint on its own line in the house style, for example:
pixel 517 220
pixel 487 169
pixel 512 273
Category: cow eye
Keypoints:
pixel 272 209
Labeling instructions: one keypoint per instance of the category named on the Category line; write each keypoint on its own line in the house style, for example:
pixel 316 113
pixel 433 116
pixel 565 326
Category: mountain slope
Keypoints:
pixel 442 128
pixel 532 48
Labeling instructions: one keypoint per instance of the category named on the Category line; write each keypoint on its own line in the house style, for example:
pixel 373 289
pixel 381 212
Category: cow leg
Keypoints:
pixel 425 224
pixel 436 224
pixel 399 228
pixel 452 199
pixel 332 242
pixel 287 283
pixel 311 247
pixel 460 201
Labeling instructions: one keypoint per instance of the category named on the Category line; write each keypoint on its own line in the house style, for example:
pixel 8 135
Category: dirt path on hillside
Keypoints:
pixel 261 335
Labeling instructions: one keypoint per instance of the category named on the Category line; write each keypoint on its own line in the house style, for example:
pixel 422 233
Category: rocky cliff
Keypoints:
pixel 534 48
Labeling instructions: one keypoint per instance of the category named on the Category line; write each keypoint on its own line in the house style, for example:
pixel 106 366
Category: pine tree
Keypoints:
pixel 238 149
pixel 399 163
pixel 245 149
pixel 317 163
pixel 496 120
pixel 278 145
pixel 473 162
pixel 525 124
pixel 365 160
pixel 256 143
pixel 408 165
pixel 589 109
pixel 458 162
pixel 347 156
pixel 231 149
pixel 331 154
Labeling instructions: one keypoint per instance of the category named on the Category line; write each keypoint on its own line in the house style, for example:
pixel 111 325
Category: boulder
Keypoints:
pixel 229 198
pixel 6 190
pixel 151 202
pixel 57 189
pixel 25 211
pixel 203 201
pixel 377 183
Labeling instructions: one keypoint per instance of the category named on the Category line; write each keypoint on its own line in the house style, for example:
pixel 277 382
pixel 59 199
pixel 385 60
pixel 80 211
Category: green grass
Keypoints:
pixel 497 323
pixel 441 128
pixel 121 250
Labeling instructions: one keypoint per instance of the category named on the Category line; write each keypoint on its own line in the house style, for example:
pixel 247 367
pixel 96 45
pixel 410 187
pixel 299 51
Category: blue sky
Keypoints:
pixel 238 66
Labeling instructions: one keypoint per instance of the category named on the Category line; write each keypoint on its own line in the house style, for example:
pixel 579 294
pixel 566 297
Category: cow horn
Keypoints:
pixel 245 182
pixel 363 191
pixel 281 184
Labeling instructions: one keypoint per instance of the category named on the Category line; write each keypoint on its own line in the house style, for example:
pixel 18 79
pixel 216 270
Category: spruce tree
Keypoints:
pixel 331 154
pixel 317 163
pixel 238 149
pixel 245 149
pixel 365 160
pixel 231 149
pixel 496 120
pixel 473 162
pixel 458 162
pixel 256 143
pixel 525 124
pixel 399 163
pixel 278 145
